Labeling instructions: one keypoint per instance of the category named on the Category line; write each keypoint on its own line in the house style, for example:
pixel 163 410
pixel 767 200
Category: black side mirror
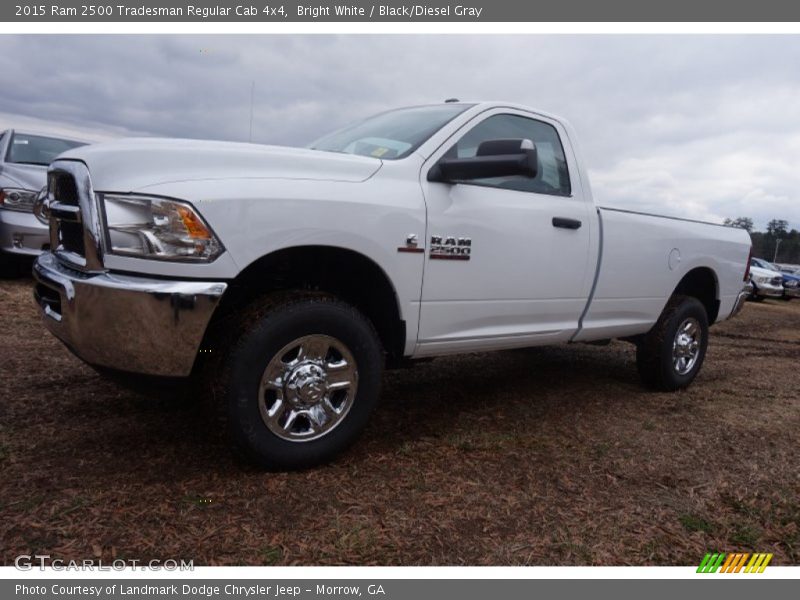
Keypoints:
pixel 494 158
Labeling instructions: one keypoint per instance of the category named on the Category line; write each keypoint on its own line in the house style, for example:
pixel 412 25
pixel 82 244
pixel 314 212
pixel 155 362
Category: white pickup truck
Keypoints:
pixel 290 277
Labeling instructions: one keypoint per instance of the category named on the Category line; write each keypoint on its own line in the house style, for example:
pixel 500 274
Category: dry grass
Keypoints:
pixel 545 456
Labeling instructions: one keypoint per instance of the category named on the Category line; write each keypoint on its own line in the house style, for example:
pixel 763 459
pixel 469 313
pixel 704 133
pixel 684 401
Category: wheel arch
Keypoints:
pixel 701 283
pixel 348 274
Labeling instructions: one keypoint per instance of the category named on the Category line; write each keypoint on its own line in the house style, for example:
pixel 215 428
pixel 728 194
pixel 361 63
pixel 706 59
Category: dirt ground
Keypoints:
pixel 552 456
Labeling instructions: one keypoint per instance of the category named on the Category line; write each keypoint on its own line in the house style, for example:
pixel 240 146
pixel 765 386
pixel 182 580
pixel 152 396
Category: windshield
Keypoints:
pixel 760 262
pixel 391 135
pixel 37 149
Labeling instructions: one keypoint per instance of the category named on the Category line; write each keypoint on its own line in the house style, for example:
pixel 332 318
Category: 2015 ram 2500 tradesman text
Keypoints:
pixel 289 277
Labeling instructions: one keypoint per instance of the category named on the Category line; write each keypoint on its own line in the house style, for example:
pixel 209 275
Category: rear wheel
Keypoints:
pixel 671 354
pixel 300 380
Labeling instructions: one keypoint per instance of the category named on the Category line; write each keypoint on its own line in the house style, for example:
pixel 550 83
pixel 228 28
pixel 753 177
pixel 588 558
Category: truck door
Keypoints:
pixel 509 260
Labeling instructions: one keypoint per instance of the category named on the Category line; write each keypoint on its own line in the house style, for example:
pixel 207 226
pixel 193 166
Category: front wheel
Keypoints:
pixel 300 381
pixel 670 355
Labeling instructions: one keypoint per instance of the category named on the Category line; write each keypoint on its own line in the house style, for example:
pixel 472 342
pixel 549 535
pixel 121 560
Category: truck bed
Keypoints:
pixel 644 257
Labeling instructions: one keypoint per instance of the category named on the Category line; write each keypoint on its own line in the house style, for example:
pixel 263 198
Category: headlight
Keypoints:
pixel 150 227
pixel 762 280
pixel 17 199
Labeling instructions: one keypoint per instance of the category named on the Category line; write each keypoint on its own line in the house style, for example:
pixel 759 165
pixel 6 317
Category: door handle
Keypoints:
pixel 565 223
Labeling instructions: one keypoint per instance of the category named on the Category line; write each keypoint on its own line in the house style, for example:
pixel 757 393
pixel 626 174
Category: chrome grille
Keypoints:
pixel 63 188
pixel 65 209
pixel 74 220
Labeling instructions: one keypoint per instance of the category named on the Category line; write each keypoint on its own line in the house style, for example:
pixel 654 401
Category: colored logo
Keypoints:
pixel 734 563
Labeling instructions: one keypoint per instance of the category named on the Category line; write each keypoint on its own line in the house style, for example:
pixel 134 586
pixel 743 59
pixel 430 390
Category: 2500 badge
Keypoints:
pixel 450 248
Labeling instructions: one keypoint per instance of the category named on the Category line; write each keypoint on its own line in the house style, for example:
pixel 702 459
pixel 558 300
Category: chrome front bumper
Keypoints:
pixel 133 324
pixel 769 291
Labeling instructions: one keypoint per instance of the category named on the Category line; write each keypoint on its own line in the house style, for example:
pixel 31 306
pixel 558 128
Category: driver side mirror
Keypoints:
pixel 494 158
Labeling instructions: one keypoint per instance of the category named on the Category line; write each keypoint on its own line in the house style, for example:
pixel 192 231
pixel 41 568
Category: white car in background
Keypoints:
pixel 791 269
pixel 24 159
pixel 790 281
pixel 766 283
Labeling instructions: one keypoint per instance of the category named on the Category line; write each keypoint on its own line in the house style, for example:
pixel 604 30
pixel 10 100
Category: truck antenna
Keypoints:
pixel 252 91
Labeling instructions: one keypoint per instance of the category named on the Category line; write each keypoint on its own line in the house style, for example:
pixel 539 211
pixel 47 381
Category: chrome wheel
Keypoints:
pixel 308 388
pixel 686 346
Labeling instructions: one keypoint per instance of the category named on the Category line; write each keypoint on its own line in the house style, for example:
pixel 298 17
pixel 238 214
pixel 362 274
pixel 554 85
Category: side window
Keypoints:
pixel 552 177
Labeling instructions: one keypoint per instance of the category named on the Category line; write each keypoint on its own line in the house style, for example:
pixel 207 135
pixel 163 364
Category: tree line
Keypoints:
pixel 778 235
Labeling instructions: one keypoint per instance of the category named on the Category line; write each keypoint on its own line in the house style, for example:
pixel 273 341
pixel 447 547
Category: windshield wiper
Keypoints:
pixel 323 150
pixel 30 162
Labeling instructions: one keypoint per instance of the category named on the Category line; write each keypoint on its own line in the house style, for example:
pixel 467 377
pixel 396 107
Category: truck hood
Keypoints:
pixel 131 164
pixel 27 177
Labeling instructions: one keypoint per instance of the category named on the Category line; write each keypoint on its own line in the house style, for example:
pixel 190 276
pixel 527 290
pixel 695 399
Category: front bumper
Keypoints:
pixel 22 233
pixel 768 290
pixel 132 324
pixel 792 292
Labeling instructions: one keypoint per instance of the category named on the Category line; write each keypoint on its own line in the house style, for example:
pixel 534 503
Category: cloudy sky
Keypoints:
pixel 697 126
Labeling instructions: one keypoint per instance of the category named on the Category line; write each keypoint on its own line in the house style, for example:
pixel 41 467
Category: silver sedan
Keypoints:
pixel 23 173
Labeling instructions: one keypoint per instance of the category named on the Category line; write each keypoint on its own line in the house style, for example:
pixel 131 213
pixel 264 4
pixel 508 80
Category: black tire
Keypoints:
pixel 754 295
pixel 260 334
pixel 654 352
